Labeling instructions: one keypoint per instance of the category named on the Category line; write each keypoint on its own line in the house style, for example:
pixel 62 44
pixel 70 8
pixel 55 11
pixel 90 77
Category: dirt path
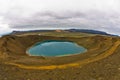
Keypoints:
pixel 107 53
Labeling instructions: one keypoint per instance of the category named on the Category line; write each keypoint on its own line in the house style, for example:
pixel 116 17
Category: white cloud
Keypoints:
pixel 4 28
pixel 28 14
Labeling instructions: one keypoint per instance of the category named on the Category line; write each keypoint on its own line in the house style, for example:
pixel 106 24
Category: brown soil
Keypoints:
pixel 100 62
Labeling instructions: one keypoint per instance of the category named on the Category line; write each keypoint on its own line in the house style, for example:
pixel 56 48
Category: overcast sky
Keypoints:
pixel 48 14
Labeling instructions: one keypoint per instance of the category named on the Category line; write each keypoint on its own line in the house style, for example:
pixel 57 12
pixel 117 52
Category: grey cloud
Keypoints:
pixel 90 14
pixel 64 15
pixel 90 20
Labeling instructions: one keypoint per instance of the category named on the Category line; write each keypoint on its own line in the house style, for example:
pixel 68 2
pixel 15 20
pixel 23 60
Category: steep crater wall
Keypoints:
pixel 17 45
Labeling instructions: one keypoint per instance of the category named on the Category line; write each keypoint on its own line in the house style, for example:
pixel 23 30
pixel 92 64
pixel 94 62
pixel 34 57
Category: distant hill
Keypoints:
pixel 20 32
pixel 90 31
pixel 69 30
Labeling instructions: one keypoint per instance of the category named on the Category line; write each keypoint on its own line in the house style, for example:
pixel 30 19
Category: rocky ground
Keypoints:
pixel 92 65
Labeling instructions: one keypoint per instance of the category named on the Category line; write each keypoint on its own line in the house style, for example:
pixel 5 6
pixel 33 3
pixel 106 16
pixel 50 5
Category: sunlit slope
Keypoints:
pixel 100 62
pixel 98 46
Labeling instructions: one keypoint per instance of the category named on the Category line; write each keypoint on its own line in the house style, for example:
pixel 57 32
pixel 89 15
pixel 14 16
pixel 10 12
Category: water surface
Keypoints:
pixel 55 48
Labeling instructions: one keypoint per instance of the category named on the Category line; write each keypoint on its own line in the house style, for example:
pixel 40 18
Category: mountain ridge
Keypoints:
pixel 90 31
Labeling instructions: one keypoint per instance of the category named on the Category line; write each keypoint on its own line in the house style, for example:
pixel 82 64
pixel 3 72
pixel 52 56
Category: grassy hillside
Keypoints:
pixel 95 64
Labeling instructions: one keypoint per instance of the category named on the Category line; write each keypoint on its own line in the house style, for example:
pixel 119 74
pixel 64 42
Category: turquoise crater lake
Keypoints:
pixel 55 48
